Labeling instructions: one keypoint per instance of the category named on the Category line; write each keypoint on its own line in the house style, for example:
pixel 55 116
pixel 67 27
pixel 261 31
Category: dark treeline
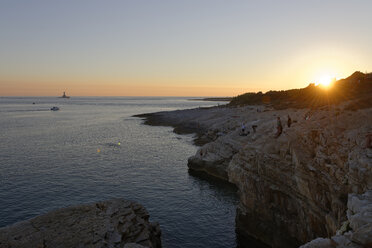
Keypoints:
pixel 357 89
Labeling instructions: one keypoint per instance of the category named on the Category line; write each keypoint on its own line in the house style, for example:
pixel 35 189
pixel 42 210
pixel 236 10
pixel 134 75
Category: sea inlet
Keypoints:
pixel 92 149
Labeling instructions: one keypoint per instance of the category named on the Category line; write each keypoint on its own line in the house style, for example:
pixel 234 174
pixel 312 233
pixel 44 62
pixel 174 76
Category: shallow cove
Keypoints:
pixel 50 160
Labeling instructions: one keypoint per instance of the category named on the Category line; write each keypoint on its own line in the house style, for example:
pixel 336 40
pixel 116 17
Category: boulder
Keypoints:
pixel 112 223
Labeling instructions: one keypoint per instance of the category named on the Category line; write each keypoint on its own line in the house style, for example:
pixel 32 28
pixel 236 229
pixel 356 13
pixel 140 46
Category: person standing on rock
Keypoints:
pixel 243 129
pixel 254 128
pixel 289 121
pixel 279 127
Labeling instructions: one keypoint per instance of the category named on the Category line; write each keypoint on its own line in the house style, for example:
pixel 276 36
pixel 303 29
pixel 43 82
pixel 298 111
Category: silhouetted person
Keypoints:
pixel 254 128
pixel 289 121
pixel 279 127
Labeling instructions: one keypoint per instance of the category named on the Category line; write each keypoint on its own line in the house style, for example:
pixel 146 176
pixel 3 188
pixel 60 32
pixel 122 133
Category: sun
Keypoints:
pixel 325 81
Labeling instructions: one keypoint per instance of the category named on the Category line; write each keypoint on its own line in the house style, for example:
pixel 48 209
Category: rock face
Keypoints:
pixel 356 232
pixel 114 223
pixel 298 184
pixel 293 188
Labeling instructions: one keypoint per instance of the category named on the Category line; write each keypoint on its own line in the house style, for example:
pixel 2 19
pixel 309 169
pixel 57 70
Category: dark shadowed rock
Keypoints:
pixel 358 231
pixel 112 223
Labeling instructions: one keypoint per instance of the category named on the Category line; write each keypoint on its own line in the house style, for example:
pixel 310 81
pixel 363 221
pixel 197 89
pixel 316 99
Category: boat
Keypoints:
pixel 54 109
pixel 64 95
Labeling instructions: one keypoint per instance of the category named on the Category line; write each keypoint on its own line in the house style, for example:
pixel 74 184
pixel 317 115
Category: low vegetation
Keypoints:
pixel 356 89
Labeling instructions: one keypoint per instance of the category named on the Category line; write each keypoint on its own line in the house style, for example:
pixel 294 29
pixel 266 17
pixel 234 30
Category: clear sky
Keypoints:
pixel 178 48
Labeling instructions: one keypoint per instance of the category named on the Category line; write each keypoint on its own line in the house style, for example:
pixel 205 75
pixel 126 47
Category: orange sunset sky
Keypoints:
pixel 178 48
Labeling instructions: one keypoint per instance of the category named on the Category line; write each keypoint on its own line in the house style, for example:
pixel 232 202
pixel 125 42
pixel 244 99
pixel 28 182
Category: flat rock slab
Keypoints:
pixel 112 223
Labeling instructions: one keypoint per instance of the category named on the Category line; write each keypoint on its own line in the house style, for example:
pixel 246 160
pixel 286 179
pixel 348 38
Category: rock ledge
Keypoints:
pixel 112 223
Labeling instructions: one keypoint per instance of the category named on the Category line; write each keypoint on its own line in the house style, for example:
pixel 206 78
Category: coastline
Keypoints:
pixel 213 99
pixel 293 189
pixel 314 180
pixel 181 121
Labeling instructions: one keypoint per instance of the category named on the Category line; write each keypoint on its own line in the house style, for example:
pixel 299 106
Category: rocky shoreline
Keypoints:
pixel 311 186
pixel 113 223
pixel 293 188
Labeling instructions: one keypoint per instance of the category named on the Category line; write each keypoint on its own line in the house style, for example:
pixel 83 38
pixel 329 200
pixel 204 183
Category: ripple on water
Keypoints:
pixel 49 160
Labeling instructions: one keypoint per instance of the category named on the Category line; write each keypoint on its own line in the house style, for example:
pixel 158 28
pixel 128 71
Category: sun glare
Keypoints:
pixel 325 81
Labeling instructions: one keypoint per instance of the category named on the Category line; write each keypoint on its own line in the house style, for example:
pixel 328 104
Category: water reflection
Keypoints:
pixel 226 191
pixel 53 160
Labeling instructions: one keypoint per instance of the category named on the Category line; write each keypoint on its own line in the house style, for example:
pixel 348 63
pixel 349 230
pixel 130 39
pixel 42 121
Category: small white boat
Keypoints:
pixel 54 109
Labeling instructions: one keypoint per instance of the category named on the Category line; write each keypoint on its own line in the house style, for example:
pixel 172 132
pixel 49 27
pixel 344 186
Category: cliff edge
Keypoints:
pixel 293 188
pixel 294 185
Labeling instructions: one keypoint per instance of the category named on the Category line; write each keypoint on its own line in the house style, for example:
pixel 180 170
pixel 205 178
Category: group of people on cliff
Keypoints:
pixel 279 130
pixel 279 127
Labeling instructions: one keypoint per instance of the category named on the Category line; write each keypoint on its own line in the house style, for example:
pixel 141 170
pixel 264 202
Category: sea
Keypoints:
pixel 93 149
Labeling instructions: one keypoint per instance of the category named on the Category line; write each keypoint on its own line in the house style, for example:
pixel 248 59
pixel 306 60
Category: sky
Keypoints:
pixel 178 48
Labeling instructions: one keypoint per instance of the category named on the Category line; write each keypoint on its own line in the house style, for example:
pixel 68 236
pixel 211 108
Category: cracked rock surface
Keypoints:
pixel 112 223
pixel 356 232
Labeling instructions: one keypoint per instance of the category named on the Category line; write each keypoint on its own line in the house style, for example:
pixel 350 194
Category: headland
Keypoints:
pixel 312 180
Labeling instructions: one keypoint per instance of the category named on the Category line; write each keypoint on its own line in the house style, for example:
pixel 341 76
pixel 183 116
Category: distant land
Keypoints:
pixel 213 99
pixel 357 89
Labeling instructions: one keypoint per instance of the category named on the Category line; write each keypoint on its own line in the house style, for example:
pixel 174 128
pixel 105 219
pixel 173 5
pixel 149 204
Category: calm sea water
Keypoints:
pixel 50 160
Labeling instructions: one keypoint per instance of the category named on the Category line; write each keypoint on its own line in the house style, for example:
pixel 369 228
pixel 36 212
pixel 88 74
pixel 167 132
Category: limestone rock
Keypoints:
pixel 213 158
pixel 133 245
pixel 110 223
pixel 319 243
pixel 293 188
pixel 360 234
pixel 363 235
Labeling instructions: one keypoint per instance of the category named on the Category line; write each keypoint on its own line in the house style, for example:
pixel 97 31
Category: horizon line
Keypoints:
pixel 126 96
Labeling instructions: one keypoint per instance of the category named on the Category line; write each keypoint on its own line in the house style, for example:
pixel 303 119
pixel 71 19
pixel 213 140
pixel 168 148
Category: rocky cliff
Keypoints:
pixel 295 187
pixel 356 232
pixel 298 183
pixel 114 223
